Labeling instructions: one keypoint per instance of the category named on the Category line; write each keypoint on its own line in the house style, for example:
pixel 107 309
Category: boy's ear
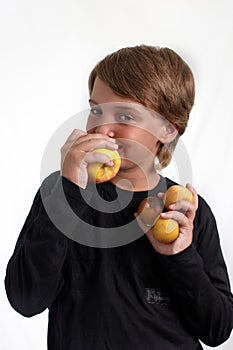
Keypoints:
pixel 169 133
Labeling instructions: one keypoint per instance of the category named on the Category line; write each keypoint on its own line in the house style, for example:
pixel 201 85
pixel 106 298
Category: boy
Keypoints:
pixel 139 294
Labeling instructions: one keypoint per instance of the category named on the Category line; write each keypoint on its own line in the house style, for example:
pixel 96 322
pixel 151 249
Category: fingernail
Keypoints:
pixel 110 163
pixel 113 146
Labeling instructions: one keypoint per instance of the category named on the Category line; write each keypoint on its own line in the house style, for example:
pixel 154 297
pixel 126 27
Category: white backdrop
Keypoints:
pixel 47 49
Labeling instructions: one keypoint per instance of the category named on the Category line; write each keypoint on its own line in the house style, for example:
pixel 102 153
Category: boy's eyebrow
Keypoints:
pixel 127 108
pixel 117 105
pixel 92 101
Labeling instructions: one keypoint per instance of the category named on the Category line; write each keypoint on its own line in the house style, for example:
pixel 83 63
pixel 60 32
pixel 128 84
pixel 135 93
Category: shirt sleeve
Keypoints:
pixel 34 273
pixel 198 281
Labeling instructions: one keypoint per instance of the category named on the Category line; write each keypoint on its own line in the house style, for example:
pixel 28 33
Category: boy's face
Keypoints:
pixel 137 130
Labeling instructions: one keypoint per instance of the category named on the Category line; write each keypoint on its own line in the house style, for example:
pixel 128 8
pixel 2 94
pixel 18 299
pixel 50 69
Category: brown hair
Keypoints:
pixel 156 77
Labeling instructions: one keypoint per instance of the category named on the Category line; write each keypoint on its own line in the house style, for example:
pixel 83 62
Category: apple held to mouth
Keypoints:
pixel 149 210
pixel 99 172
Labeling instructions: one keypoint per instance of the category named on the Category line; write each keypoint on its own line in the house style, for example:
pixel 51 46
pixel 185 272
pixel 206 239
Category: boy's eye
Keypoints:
pixel 125 118
pixel 96 111
pixel 122 118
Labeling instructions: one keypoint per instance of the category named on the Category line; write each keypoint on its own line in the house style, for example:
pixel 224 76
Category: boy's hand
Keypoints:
pixel 76 155
pixel 184 213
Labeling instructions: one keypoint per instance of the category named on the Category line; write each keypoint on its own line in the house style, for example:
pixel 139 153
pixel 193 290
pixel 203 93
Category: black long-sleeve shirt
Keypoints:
pixel 127 296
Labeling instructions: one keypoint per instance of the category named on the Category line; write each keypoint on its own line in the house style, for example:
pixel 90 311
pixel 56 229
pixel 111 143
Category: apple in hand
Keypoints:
pixel 99 172
pixel 177 193
pixel 165 230
pixel 149 210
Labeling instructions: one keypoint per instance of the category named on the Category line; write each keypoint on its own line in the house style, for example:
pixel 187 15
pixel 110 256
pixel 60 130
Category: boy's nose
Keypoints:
pixel 106 129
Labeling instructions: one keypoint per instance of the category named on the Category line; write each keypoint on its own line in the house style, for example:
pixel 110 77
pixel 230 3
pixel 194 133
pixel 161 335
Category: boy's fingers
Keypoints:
pixel 182 206
pixel 97 157
pixel 90 139
pixel 181 218
pixel 195 195
pixel 76 133
pixel 91 145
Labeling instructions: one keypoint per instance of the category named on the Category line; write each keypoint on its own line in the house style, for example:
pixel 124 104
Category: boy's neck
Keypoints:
pixel 136 181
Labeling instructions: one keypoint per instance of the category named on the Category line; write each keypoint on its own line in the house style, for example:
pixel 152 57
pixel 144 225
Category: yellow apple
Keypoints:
pixel 98 172
pixel 149 209
pixel 165 230
pixel 177 193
